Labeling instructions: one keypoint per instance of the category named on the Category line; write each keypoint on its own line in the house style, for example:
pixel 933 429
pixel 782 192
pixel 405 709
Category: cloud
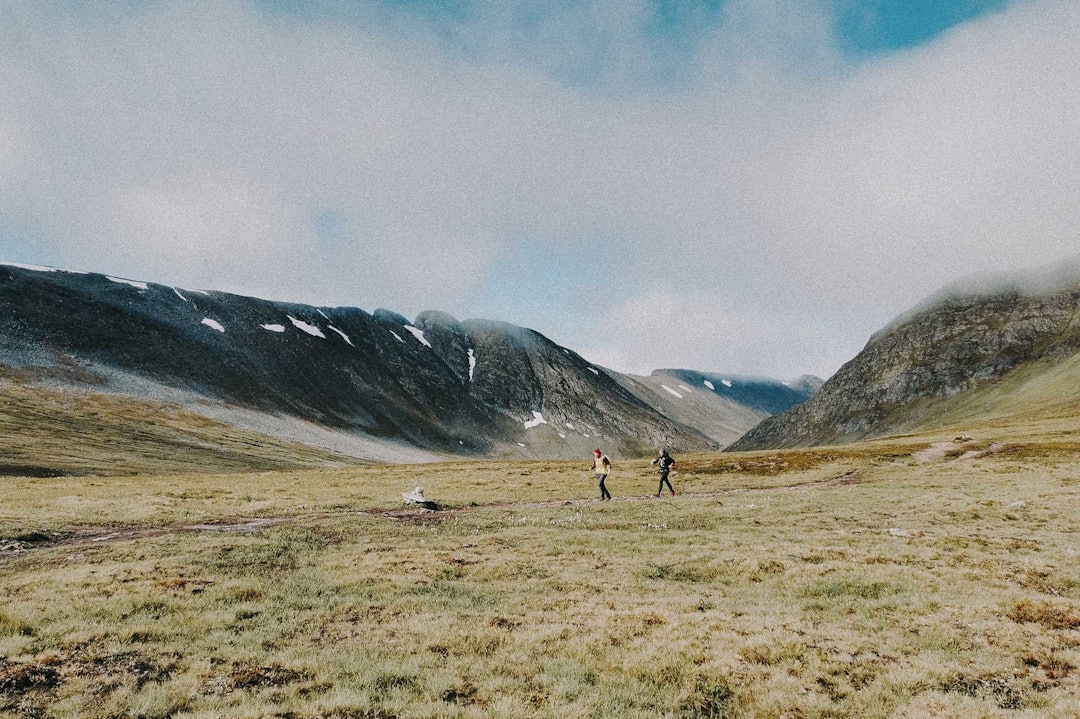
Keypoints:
pixel 770 198
pixel 706 329
pixel 953 159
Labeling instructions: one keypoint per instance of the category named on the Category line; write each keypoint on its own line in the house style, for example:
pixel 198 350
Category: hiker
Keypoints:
pixel 664 462
pixel 602 466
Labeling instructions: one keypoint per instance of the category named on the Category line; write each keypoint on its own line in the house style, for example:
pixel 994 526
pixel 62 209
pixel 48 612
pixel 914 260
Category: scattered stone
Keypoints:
pixel 417 497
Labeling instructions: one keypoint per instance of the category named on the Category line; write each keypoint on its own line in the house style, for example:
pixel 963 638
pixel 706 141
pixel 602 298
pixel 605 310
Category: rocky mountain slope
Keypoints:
pixel 375 386
pixel 954 351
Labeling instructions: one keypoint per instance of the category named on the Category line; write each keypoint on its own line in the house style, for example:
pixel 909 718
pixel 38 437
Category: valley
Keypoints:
pixel 854 581
pixel 204 534
pixel 325 325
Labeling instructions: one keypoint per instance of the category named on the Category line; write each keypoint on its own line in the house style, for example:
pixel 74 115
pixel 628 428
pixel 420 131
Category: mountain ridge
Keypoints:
pixel 954 345
pixel 435 384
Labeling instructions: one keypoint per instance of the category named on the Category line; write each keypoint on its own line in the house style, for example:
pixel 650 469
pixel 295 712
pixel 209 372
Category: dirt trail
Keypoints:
pixel 87 536
pixel 959 449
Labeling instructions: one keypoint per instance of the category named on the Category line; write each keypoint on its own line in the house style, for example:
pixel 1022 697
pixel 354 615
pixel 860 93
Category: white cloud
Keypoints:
pixel 713 332
pixel 772 209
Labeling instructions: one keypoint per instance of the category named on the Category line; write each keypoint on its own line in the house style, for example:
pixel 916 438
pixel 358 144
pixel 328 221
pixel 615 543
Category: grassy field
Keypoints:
pixel 851 582
pixel 46 432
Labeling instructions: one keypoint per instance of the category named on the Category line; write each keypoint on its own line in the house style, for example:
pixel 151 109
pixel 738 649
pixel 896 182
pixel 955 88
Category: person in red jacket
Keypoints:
pixel 602 467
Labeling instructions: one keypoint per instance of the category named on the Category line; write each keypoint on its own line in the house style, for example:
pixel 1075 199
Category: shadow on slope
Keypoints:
pixel 50 432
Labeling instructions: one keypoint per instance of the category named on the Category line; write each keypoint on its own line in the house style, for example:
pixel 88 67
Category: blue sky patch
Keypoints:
pixel 871 26
pixel 651 45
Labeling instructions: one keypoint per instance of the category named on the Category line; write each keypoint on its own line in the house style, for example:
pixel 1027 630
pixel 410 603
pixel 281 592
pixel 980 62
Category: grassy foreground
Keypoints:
pixel 831 583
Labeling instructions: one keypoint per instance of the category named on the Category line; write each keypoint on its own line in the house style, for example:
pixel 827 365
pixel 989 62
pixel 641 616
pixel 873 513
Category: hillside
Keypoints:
pixel 49 432
pixel 364 385
pixel 719 406
pixel 980 358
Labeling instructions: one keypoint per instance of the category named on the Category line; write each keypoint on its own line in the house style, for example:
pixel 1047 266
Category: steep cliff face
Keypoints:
pixel 952 346
pixel 548 397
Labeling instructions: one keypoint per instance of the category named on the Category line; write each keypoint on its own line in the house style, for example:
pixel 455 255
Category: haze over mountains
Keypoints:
pixel 376 386
pixel 984 351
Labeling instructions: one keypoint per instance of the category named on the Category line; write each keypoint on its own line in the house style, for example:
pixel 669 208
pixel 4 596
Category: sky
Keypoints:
pixel 744 186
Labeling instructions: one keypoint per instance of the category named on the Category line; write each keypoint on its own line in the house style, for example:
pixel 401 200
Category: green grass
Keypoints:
pixel 842 582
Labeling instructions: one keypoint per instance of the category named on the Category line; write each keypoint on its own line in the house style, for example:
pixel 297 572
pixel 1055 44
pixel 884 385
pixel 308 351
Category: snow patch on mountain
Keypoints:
pixel 671 391
pixel 273 328
pixel 536 421
pixel 213 324
pixel 343 335
pixel 418 334
pixel 133 283
pixel 710 385
pixel 472 363
pixel 304 326
pixel 32 268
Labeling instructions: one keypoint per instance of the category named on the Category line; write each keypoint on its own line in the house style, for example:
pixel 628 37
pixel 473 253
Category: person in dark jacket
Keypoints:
pixel 664 463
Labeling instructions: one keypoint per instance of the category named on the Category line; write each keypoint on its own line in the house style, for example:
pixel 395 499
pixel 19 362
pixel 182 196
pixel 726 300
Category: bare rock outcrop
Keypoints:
pixel 953 344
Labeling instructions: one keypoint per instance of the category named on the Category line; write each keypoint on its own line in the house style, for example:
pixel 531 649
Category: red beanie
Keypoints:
pixel 596 452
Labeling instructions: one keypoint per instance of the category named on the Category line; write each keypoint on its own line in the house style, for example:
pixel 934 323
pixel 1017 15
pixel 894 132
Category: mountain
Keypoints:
pixel 760 393
pixel 719 406
pixel 975 353
pixel 376 386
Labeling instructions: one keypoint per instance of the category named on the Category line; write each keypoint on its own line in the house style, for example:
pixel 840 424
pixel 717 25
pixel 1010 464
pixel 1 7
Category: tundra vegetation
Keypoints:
pixel 873 580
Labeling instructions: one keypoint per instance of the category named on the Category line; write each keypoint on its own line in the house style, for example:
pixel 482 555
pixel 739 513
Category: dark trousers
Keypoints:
pixel 664 480
pixel 604 494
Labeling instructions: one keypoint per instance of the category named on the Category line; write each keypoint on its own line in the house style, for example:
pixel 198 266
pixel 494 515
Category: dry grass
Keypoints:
pixel 811 584
pixel 48 433
pixel 1037 401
